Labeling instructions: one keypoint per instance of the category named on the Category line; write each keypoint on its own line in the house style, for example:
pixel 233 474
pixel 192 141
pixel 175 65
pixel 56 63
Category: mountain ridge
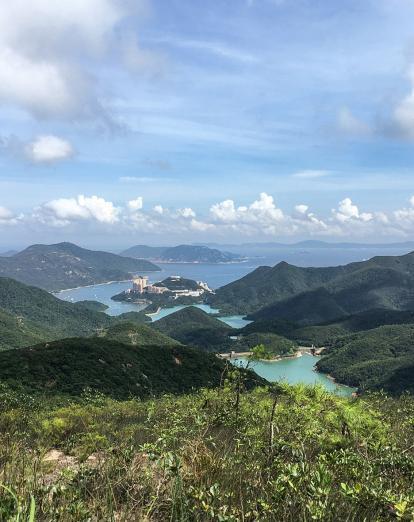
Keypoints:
pixel 65 265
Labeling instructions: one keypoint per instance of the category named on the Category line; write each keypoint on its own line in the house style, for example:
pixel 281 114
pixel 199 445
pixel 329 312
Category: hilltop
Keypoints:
pixel 195 327
pixel 182 254
pixel 65 265
pixel 128 332
pixel 118 370
pixel 285 290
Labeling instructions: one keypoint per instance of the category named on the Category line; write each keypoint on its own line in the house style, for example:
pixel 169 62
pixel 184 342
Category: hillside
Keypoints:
pixel 16 331
pixel 382 282
pixel 181 254
pixel 65 265
pixel 195 327
pixel 118 370
pixel 374 359
pixel 44 314
pixel 272 454
pixel 128 332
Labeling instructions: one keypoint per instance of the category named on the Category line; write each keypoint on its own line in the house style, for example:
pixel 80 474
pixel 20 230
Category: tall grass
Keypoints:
pixel 287 454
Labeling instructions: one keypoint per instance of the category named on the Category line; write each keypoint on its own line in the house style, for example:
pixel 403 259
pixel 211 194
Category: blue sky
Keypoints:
pixel 171 121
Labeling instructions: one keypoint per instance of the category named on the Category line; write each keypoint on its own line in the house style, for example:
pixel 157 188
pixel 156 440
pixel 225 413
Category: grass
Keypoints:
pixel 271 454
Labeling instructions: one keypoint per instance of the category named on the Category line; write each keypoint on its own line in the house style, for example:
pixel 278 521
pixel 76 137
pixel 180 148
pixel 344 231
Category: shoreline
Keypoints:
pixel 89 286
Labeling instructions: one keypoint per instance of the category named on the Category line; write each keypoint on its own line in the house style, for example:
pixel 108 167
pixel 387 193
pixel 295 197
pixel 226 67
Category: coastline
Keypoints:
pixel 89 286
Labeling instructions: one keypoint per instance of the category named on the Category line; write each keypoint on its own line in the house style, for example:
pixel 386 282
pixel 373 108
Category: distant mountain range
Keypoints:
pixel 409 245
pixel 312 295
pixel 8 253
pixel 65 265
pixel 182 254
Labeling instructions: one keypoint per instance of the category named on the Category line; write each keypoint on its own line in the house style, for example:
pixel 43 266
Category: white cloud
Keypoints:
pixel 186 212
pixel 136 204
pixel 348 211
pixel 301 209
pixel 47 52
pixel 159 209
pixel 49 149
pixel 263 209
pixel 227 220
pixel 311 174
pixel 65 210
pixel 7 217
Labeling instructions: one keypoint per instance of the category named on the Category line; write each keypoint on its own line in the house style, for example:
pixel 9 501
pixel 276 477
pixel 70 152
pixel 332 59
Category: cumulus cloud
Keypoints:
pixel 159 209
pixel 348 211
pixel 225 219
pixel 262 209
pixel 49 149
pixel 44 41
pixel 136 204
pixel 186 212
pixel 7 217
pixel 63 211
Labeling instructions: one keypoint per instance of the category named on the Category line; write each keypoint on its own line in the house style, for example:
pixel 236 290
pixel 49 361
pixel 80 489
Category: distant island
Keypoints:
pixel 172 291
pixel 65 265
pixel 182 254
pixel 313 243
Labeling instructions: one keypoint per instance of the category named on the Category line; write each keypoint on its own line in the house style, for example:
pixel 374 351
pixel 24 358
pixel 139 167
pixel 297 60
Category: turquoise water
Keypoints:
pixel 295 370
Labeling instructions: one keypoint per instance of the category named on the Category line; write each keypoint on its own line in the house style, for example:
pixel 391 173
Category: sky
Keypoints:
pixel 173 121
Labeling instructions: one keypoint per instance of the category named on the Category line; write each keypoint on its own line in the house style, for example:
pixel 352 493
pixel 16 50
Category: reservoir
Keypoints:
pixel 295 370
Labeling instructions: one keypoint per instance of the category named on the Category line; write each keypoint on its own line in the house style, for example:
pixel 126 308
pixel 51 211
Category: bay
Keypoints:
pixel 295 370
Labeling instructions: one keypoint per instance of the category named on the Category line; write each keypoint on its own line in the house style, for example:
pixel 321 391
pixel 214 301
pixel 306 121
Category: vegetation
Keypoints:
pixel 129 332
pixel 287 291
pixel 195 327
pixel 279 453
pixel 181 254
pixel 34 314
pixel 381 358
pixel 64 265
pixel 274 345
pixel 110 367
pixel 95 306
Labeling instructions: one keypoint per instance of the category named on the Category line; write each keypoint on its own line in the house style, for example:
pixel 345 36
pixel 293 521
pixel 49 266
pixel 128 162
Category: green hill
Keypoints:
pixel 181 254
pixel 373 359
pixel 195 327
pixel 118 370
pixel 57 318
pixel 16 331
pixel 65 265
pixel 137 335
pixel 381 282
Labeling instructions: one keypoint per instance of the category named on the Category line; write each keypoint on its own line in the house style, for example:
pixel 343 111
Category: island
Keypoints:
pixel 183 254
pixel 172 291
